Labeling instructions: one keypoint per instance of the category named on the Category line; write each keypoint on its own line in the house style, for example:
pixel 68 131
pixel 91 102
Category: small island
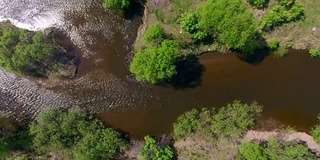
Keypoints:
pixel 41 56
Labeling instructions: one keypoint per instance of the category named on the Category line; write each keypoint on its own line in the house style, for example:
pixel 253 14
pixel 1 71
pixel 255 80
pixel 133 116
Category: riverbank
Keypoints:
pixel 56 63
pixel 300 35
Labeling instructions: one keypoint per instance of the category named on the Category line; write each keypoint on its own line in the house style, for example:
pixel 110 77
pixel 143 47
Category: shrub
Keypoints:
pixel 279 15
pixel 314 53
pixel 273 44
pixel 152 151
pixel 315 131
pixel 116 5
pixel 25 53
pixel 231 121
pixel 280 52
pixel 231 23
pixel 155 64
pixel 57 129
pixel 155 34
pixel 274 149
pixel 286 3
pixel 258 3
pixel 251 151
pixel 189 22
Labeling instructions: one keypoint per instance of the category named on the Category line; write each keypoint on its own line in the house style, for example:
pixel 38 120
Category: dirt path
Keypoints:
pixel 296 136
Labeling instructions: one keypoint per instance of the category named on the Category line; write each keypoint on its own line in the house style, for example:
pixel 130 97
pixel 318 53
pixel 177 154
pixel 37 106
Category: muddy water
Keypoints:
pixel 287 88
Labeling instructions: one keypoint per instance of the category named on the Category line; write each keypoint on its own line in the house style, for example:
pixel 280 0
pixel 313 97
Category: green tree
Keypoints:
pixel 230 121
pixel 315 131
pixel 152 151
pixel 314 53
pixel 155 34
pixel 231 23
pixel 155 64
pixel 25 53
pixel 117 5
pixel 57 129
pixel 258 3
pixel 251 151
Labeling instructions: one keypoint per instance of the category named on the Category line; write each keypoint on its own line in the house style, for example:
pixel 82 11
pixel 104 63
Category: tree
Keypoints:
pixel 24 52
pixel 232 121
pixel 57 129
pixel 251 151
pixel 155 64
pixel 258 3
pixel 116 5
pixel 152 151
pixel 155 34
pixel 315 132
pixel 231 23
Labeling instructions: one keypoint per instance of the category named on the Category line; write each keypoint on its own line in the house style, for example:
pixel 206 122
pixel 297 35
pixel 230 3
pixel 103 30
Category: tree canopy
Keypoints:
pixel 231 23
pixel 155 64
pixel 57 129
pixel 23 52
pixel 116 5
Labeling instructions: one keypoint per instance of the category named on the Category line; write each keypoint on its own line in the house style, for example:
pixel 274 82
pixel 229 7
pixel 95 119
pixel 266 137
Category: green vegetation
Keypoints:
pixel 315 132
pixel 273 44
pixel 288 11
pixel 117 5
pixel 33 54
pixel 155 34
pixel 232 24
pixel 280 52
pixel 155 64
pixel 274 150
pixel 57 129
pixel 153 151
pixel 258 3
pixel 231 121
pixel 314 53
pixel 24 53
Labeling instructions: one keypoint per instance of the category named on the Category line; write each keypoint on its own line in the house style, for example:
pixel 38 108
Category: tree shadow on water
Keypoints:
pixel 257 57
pixel 136 8
pixel 189 72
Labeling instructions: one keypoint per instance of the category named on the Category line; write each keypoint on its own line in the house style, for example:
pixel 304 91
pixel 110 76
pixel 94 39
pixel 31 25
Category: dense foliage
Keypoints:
pixel 314 53
pixel 231 121
pixel 281 14
pixel 155 34
pixel 273 44
pixel 189 23
pixel 315 132
pixel 155 64
pixel 153 151
pixel 25 53
pixel 258 3
pixel 274 150
pixel 57 129
pixel 231 23
pixel 117 5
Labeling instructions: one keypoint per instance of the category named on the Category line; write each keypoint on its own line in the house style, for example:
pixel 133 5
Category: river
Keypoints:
pixel 287 88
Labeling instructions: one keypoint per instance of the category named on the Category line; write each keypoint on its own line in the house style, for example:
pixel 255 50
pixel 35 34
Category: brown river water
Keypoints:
pixel 287 88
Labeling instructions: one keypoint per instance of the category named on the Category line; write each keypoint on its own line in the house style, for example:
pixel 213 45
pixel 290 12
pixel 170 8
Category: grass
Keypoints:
pixel 299 35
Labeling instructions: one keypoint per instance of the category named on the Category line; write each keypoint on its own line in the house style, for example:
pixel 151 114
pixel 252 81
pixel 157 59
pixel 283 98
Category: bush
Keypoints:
pixel 155 64
pixel 232 121
pixel 279 15
pixel 189 22
pixel 155 34
pixel 314 53
pixel 231 23
pixel 152 151
pixel 251 151
pixel 280 52
pixel 25 53
pixel 274 150
pixel 116 5
pixel 315 131
pixel 57 129
pixel 286 3
pixel 273 44
pixel 258 3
